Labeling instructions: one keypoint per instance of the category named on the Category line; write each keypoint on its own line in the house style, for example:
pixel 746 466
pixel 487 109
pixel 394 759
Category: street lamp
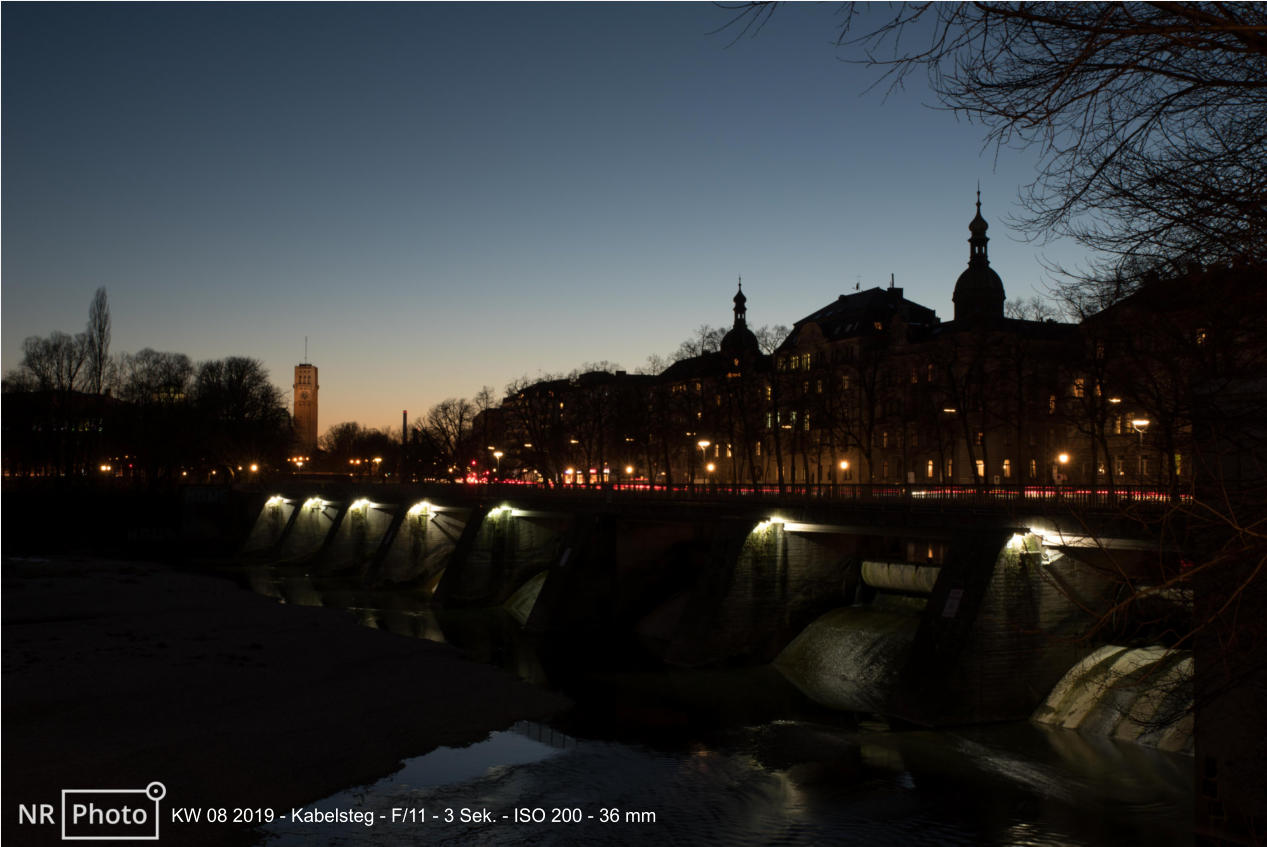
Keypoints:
pixel 1058 472
pixel 1140 425
pixel 703 444
pixel 497 454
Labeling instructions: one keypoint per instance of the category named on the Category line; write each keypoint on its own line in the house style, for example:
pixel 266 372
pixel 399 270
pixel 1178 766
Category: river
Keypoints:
pixel 726 757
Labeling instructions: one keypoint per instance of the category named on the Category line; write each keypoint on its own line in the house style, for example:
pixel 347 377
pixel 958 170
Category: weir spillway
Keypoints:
pixel 920 612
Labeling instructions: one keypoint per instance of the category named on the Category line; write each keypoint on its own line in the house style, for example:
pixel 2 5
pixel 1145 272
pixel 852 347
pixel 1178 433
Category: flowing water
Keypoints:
pixel 729 758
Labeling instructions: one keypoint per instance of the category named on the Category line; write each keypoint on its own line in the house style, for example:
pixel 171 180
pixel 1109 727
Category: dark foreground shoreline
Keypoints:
pixel 118 674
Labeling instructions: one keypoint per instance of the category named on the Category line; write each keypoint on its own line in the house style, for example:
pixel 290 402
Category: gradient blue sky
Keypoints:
pixel 443 197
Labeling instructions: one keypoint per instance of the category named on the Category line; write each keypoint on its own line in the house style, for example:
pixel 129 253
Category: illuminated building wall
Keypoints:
pixel 306 406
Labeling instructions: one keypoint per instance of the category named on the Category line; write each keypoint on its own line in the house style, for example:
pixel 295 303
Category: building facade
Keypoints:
pixel 874 388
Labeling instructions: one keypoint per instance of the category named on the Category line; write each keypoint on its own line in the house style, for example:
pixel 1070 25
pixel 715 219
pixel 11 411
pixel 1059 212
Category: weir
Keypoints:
pixel 930 619
pixel 314 522
pixel 360 531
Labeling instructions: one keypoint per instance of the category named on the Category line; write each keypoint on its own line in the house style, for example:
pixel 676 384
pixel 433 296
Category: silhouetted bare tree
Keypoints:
pixel 97 343
pixel 241 413
pixel 1150 118
pixel 50 364
pixel 447 427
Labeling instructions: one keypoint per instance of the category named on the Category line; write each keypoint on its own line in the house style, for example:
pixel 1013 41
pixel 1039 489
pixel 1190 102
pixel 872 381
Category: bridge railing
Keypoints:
pixel 890 492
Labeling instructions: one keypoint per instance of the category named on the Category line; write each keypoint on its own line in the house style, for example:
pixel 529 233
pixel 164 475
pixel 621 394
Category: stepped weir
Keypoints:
pixel 919 612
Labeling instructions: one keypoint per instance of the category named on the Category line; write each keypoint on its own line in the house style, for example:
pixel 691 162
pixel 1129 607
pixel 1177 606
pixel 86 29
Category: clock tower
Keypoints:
pixel 306 406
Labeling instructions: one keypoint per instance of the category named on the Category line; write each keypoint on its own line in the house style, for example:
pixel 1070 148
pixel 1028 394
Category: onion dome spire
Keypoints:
pixel 979 291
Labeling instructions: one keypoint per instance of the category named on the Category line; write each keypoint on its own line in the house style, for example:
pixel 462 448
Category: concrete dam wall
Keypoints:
pixel 930 624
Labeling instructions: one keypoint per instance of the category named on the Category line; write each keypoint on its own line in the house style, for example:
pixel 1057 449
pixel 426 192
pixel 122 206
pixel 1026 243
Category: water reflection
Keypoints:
pixel 786 783
pixel 730 757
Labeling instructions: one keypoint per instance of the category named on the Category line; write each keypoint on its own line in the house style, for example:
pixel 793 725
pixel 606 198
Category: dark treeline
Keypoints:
pixel 71 409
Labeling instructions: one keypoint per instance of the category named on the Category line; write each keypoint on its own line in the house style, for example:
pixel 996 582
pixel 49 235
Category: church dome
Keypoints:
pixel 979 290
pixel 740 343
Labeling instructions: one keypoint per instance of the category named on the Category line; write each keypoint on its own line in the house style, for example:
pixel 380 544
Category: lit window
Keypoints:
pixel 1033 469
pixel 980 438
pixel 884 438
pixel 844 382
pixel 1202 336
pixel 914 376
pixel 1119 465
pixel 1079 387
pixel 930 470
pixel 981 468
pixel 1051 405
pixel 1007 468
pixel 950 469
pixel 879 325
pixel 884 469
pixel 930 373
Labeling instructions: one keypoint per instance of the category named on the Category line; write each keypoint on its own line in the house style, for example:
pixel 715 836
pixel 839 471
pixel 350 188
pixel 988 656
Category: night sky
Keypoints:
pixel 445 197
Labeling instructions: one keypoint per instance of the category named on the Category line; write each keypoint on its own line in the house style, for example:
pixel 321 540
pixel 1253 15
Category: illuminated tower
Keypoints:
pixel 306 406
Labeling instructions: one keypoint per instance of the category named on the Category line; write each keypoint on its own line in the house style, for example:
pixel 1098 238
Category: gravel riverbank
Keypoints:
pixel 117 674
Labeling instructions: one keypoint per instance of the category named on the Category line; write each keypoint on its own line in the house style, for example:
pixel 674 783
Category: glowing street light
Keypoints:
pixel 497 454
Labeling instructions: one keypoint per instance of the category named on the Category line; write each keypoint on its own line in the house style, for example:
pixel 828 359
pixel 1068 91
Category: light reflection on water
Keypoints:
pixel 713 757
pixel 780 783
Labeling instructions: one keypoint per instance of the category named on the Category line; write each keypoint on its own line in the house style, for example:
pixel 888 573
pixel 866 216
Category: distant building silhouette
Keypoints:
pixel 875 388
pixel 305 416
